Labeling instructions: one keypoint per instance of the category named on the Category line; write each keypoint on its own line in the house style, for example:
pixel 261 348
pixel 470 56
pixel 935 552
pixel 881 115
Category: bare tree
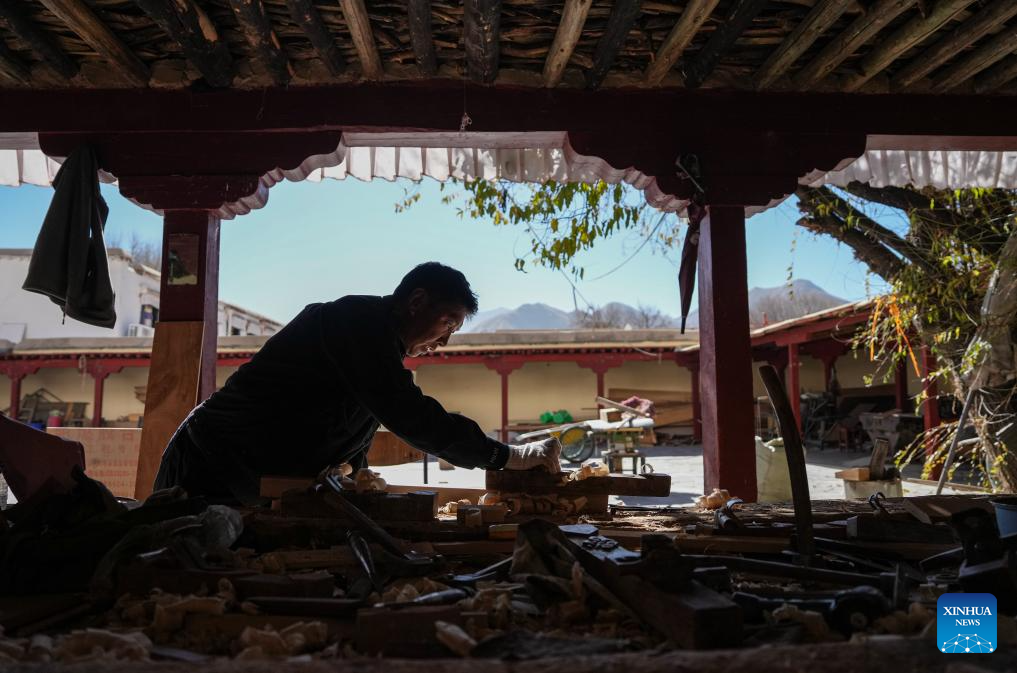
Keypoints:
pixel 140 250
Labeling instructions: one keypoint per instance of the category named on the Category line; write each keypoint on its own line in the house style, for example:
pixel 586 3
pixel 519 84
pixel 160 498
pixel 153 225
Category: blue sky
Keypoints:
pixel 319 241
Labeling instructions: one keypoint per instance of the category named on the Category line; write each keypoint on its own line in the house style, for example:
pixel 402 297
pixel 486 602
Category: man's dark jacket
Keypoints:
pixel 69 260
pixel 313 396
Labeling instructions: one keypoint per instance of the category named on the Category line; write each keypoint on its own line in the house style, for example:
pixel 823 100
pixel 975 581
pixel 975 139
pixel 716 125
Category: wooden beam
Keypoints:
pixel 537 482
pixel 422 36
pixel 257 31
pixel 197 36
pixel 39 41
pixel 306 15
pixel 999 47
pixel 689 23
pixel 819 19
pixel 363 39
pixel 623 16
pixel 11 65
pixel 997 77
pixel 737 19
pixel 978 26
pixel 573 18
pixel 861 30
pixel 907 36
pixel 84 22
pixel 481 32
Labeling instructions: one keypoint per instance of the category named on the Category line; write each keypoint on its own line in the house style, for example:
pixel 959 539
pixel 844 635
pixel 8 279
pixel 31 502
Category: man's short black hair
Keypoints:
pixel 442 283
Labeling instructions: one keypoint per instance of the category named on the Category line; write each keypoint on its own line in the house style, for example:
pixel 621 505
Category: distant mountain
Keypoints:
pixel 768 305
pixel 527 316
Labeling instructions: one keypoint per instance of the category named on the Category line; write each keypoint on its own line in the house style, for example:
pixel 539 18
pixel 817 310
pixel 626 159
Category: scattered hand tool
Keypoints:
pixel 795 460
pixel 847 611
pixel 331 493
pixel 725 517
pixel 362 551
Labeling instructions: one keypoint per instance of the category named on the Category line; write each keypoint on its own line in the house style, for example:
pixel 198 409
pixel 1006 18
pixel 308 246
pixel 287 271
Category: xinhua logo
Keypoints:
pixel 966 623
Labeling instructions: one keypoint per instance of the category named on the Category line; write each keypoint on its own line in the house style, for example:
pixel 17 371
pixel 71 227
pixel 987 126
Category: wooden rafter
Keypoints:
pixel 861 30
pixel 422 36
pixel 999 47
pixel 913 32
pixel 573 18
pixel 84 22
pixel 41 43
pixel 363 39
pixel 734 24
pixel 691 20
pixel 261 38
pixel 978 26
pixel 193 30
pixel 819 19
pixel 11 65
pixel 995 78
pixel 481 33
pixel 306 15
pixel 623 16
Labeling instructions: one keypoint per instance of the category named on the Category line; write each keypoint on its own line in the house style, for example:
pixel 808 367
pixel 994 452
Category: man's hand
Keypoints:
pixel 545 453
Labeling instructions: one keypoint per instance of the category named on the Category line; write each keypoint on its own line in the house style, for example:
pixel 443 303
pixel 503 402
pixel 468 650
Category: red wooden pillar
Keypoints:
pixel 504 367
pixel 100 371
pixel 900 386
pixel 16 372
pixel 725 354
pixel 599 366
pixel 697 410
pixel 931 408
pixel 794 387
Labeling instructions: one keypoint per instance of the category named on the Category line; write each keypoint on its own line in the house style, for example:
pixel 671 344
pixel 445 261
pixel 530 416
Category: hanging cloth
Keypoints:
pixel 69 262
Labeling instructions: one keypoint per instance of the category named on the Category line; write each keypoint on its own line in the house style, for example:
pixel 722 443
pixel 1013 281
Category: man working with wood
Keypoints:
pixel 316 392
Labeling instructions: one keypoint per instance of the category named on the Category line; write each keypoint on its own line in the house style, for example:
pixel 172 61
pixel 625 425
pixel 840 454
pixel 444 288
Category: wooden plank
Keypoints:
pixel 11 65
pixel 611 404
pixel 819 20
pixel 111 455
pixel 936 508
pixel 881 528
pixel 188 25
pixel 907 36
pixel 999 47
pixel 997 77
pixel 306 15
pixel 363 39
pixel 691 20
pixel 734 23
pixel 39 41
pixel 969 32
pixel 261 38
pixel 623 16
pixel 853 474
pixel 86 24
pixel 573 18
pixel 387 448
pixel 173 383
pixel 422 36
pixel 481 32
pixel 533 482
pixel 860 31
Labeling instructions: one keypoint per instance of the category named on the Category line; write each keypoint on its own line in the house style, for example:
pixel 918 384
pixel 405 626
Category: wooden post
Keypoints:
pixel 900 386
pixel 725 355
pixel 794 387
pixel 599 366
pixel 697 411
pixel 184 348
pixel 504 368
pixel 97 400
pixel 15 409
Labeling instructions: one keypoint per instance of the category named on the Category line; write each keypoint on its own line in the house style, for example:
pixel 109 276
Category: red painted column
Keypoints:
pixel 100 371
pixel 504 367
pixel 15 395
pixel 725 354
pixel 600 366
pixel 900 386
pixel 794 387
pixel 697 410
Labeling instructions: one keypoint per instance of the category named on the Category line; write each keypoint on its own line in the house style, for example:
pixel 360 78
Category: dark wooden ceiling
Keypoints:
pixel 877 46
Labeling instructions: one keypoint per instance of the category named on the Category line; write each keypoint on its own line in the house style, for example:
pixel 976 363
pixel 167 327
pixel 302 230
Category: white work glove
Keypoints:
pixel 546 453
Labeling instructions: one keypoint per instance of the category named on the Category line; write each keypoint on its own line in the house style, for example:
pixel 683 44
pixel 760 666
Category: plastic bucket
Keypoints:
pixel 1006 515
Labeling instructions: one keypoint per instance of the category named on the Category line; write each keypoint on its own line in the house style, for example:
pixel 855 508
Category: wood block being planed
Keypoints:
pixel 534 482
